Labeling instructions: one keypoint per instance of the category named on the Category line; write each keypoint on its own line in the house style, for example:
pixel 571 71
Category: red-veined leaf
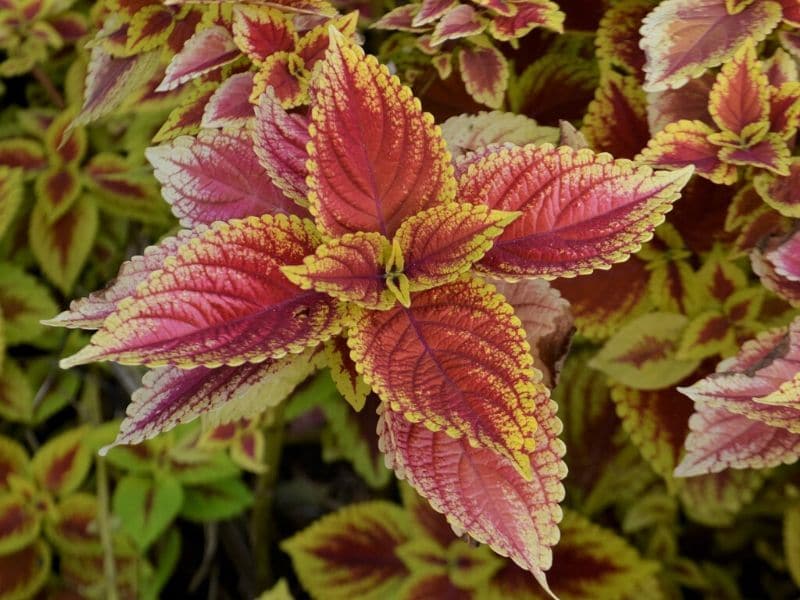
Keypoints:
pixel 352 552
pixel 468 133
pixel 286 74
pixel 618 36
pixel 90 312
pixel 221 301
pixel 686 143
pixel 431 10
pixel 588 562
pixel 739 99
pixel 24 302
pixel 459 22
pixel 345 374
pixel 580 211
pixel 683 38
pixel 720 439
pixel 350 268
pixel 24 573
pixel 279 141
pixel 229 105
pixel 311 47
pixel 616 120
pixel 760 383
pixel 149 28
pixel 170 396
pixel 547 321
pixel 771 153
pixel 61 248
pixel 260 31
pixel 765 260
pixel 206 50
pixel 456 361
pixel 216 176
pixel 438 245
pixel 784 111
pixel 781 193
pixel 186 118
pixel 400 19
pixel 374 157
pixel 642 354
pixel 61 465
pixel 786 257
pixel 484 71
pixel 26 154
pixel 480 492
pixel 528 15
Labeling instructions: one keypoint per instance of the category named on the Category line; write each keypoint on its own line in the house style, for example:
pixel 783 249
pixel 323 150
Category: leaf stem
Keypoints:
pixel 262 526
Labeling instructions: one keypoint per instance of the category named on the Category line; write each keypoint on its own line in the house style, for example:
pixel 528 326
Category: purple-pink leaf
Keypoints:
pixel 206 50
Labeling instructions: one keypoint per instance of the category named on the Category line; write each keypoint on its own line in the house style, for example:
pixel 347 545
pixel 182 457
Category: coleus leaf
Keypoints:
pixel 431 10
pixel 781 193
pixel 421 362
pixel 580 210
pixel 74 528
pixel 642 354
pixel 229 106
pixel 287 75
pixel 547 321
pixel 683 38
pixel 690 103
pixel 22 153
pixel 481 493
pixel 13 460
pixel 760 383
pixel 461 21
pixel 216 501
pixel 186 118
pixel 359 180
pixel 468 133
pixel 771 153
pixel 279 141
pixel 61 465
pixel 149 28
pixel 604 300
pixel 526 16
pixel 24 302
pixel 791 536
pixel 232 292
pixel 618 37
pixel 588 562
pixel 208 49
pixel 351 267
pixel 739 99
pixel 170 396
pixel 720 439
pixel 146 507
pixel 616 120
pixel 484 71
pixel 16 394
pixel 687 143
pixel 11 193
pixel 768 261
pixel 19 522
pixel 216 176
pixel 715 499
pixel 260 31
pixel 90 312
pixel 24 572
pixel 351 553
pixel 56 189
pixel 345 374
pixel 65 143
pixel 439 244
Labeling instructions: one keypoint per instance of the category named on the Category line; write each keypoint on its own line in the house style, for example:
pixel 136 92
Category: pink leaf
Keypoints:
pixel 216 176
pixel 459 22
pixel 485 74
pixel 206 50
pixel 229 105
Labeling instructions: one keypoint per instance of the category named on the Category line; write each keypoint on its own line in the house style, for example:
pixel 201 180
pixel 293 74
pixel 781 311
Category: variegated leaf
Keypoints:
pixel 484 71
pixel 468 133
pixel 61 465
pixel 234 304
pixel 24 572
pixel 229 105
pixel 781 193
pixel 616 121
pixel 580 211
pixel 24 302
pixel 208 49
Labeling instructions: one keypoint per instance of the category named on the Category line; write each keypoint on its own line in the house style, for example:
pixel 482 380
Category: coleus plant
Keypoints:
pixel 395 247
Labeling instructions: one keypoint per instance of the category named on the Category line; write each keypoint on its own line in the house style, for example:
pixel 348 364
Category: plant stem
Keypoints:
pixel 50 89
pixel 262 526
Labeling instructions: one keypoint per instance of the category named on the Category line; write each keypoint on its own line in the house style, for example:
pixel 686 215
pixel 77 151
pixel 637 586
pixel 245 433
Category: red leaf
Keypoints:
pixel 616 120
pixel 285 73
pixel 481 493
pixel 375 158
pixel 23 573
pixel 261 31
pixel 618 36
pixel 279 141
pixel 781 193
pixel 457 361
pixel 459 22
pixel 683 38
pixel 216 176
pixel 580 211
pixel 687 103
pixel 772 154
pixel 528 15
pixel 229 106
pixel 221 301
pixel 431 10
pixel 206 50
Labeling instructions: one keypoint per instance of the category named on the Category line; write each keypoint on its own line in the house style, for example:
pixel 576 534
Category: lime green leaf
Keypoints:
pixel 146 507
pixel 791 541
pixel 10 195
pixel 642 354
pixel 61 465
pixel 19 523
pixel 279 592
pixel 16 395
pixel 216 501
pixel 24 301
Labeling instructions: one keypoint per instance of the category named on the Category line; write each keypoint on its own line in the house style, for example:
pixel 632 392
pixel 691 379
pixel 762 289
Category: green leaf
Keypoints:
pixel 10 196
pixel 791 541
pixel 216 501
pixel 146 507
pixel 24 302
pixel 16 395
pixel 19 522
pixel 196 466
pixel 168 551
pixel 642 354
